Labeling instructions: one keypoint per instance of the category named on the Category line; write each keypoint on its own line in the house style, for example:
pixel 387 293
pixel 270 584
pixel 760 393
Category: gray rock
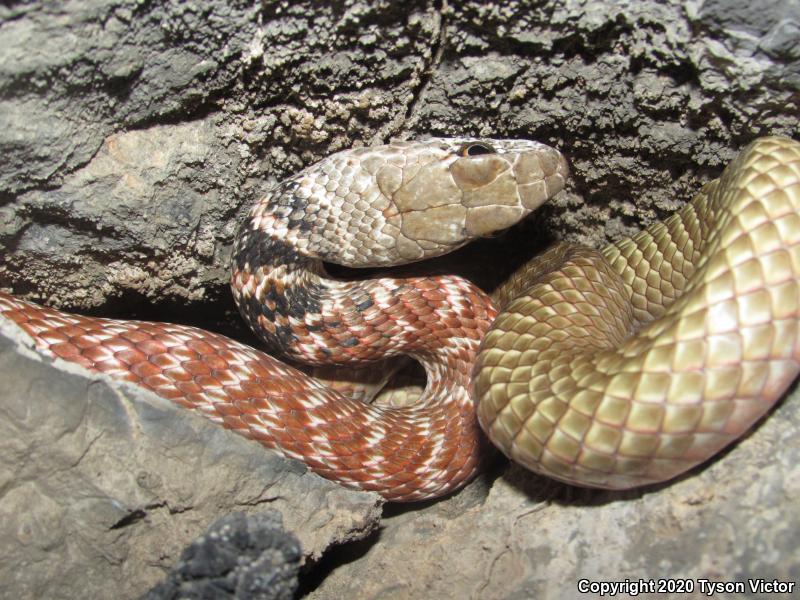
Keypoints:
pixel 72 73
pixel 240 556
pixel 146 216
pixel 647 99
pixel 104 484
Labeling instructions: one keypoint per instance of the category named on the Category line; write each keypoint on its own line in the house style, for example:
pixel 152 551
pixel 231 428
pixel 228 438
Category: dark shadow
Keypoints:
pixel 216 312
pixel 486 262
pixel 313 574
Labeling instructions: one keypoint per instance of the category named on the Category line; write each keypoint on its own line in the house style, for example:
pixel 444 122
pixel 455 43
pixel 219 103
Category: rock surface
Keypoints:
pixel 122 181
pixel 134 135
pixel 104 484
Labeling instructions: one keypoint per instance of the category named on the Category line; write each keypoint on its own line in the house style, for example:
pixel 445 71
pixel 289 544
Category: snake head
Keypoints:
pixel 459 189
pixel 407 201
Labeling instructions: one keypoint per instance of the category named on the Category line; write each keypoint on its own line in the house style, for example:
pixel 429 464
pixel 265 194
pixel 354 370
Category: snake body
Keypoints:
pixel 366 207
pixel 609 369
pixel 631 365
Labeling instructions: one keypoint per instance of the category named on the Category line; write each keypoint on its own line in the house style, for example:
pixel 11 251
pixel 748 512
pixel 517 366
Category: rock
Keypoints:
pixel 239 556
pixel 126 192
pixel 73 73
pixel 105 483
pixel 145 217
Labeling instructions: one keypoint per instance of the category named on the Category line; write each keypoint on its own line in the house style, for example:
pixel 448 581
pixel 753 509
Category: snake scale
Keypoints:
pixel 610 368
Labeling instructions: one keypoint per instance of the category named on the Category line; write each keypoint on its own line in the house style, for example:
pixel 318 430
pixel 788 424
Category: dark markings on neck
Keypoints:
pixel 294 211
pixel 282 300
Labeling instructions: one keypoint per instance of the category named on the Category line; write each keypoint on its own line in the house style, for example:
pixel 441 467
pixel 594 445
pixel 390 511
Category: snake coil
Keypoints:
pixel 610 369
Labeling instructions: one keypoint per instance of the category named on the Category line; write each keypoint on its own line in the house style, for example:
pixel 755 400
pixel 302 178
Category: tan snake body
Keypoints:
pixel 631 365
pixel 612 369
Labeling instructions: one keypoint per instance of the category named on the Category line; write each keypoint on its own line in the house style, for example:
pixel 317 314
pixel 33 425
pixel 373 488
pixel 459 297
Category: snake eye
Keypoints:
pixel 476 149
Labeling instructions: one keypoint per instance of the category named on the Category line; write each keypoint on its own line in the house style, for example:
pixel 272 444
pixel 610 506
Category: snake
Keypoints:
pixel 630 365
pixel 603 368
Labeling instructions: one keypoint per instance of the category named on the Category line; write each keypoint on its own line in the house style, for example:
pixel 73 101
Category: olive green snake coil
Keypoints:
pixel 630 365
